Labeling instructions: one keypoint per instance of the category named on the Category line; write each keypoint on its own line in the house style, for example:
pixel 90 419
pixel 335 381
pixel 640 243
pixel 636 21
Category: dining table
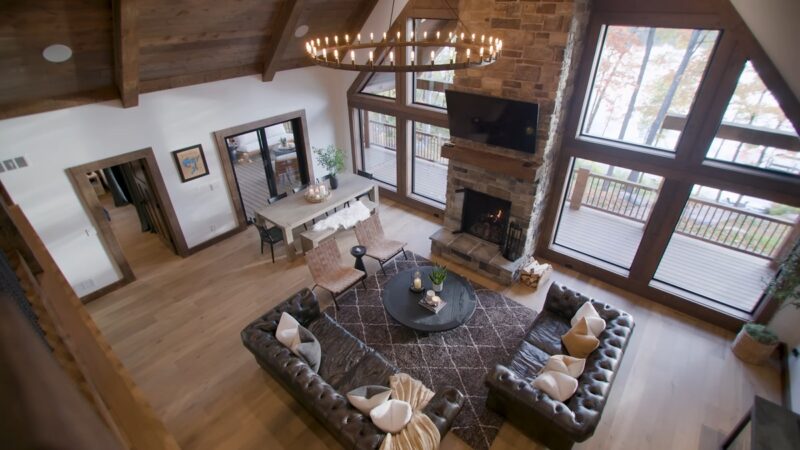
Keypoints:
pixel 294 210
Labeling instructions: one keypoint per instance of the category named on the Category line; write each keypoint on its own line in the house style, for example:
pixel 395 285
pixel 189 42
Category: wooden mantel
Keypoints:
pixel 505 165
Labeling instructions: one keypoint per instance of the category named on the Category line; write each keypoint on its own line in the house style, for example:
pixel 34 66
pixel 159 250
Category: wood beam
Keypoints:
pixel 126 51
pixel 282 32
pixel 27 107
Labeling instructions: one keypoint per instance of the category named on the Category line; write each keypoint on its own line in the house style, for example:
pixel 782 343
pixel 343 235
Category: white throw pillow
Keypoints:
pixel 596 323
pixel 391 416
pixel 565 364
pixel 287 330
pixel 557 385
pixel 365 398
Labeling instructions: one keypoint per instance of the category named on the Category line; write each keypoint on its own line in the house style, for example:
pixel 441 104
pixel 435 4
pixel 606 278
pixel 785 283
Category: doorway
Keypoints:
pixel 127 201
pixel 264 159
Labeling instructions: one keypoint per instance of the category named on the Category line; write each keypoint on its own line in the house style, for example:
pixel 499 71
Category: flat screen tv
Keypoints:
pixel 494 121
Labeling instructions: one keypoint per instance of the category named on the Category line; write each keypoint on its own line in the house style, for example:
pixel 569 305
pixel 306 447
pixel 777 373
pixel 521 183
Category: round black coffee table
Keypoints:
pixel 403 304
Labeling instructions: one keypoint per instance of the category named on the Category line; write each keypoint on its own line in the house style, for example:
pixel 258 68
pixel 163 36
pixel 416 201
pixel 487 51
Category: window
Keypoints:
pixel 429 168
pixel 642 77
pixel 381 84
pixel 701 217
pixel 754 131
pixel 429 87
pixel 616 200
pixel 723 245
pixel 379 146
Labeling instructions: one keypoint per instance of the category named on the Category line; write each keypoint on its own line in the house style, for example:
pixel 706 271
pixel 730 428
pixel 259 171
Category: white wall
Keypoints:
pixel 165 121
pixel 774 24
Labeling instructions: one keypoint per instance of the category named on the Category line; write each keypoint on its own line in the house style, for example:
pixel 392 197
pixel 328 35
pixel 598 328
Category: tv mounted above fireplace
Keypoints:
pixel 493 121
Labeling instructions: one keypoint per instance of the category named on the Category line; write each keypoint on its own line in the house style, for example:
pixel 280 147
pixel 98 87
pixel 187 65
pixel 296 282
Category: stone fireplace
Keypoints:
pixel 541 44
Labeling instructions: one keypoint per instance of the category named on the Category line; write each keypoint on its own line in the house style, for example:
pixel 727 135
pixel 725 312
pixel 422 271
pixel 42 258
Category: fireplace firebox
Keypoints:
pixel 485 216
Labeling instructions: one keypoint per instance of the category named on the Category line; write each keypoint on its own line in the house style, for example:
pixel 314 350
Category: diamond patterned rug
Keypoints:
pixel 459 358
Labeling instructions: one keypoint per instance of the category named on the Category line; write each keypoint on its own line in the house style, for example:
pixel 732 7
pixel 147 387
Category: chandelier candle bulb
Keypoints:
pixel 424 35
pixel 462 36
pixel 353 56
pixel 384 35
pixel 336 40
pixel 411 55
pixel 358 37
pixel 481 53
pixel 371 37
pixel 391 57
pixel 336 55
pixel 483 37
pixel 468 52
pixel 346 38
pixel 317 42
pixel 433 57
pixel 370 57
pixel 473 37
pixel 398 36
pixel 325 53
pixel 326 41
pixel 449 36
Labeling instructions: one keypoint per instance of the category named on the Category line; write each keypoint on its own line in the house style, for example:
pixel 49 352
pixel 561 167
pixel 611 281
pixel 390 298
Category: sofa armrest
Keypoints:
pixel 303 306
pixel 579 422
pixel 444 407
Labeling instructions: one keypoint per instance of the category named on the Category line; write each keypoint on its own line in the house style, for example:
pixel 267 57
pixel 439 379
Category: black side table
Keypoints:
pixel 359 251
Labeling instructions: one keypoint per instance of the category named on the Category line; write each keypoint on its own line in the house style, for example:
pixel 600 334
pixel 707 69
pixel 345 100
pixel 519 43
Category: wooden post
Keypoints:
pixel 581 180
pixel 365 142
pixel 786 246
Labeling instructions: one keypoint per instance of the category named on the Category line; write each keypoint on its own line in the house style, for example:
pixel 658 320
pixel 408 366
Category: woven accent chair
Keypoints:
pixel 330 272
pixel 369 233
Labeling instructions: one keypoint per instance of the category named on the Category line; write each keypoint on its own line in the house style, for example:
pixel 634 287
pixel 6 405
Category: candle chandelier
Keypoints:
pixel 365 53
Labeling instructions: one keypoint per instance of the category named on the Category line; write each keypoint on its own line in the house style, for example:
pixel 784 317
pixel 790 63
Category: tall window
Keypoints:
pixel 430 169
pixel 644 75
pixel 379 146
pixel 429 87
pixel 682 168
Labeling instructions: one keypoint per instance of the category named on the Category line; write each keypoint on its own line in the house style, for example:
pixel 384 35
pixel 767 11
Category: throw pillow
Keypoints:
pixel 596 323
pixel 391 416
pixel 287 329
pixel 565 364
pixel 306 346
pixel 365 398
pixel 579 340
pixel 557 385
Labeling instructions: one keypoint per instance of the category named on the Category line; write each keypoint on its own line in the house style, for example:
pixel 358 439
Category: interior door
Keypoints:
pixel 147 203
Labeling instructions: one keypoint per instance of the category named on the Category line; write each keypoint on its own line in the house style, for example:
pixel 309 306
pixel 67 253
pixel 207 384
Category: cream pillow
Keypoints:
pixel 287 330
pixel 579 340
pixel 596 323
pixel 391 416
pixel 557 385
pixel 565 364
pixel 365 398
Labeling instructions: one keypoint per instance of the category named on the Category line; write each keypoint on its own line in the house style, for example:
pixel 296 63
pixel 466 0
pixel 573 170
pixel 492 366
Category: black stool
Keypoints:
pixel 359 251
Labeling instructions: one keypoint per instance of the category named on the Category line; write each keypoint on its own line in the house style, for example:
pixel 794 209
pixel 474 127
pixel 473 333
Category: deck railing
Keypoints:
pixel 737 229
pixel 383 134
pixel 426 145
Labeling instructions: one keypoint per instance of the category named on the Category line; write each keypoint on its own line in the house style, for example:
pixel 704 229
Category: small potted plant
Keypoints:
pixel 437 276
pixel 754 343
pixel 332 159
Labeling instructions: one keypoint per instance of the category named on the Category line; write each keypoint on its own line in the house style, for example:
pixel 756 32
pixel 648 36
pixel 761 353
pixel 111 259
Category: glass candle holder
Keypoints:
pixel 416 282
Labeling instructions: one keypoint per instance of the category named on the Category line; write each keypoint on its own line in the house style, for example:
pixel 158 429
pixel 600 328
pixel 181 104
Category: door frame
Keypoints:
pixel 227 166
pixel 91 202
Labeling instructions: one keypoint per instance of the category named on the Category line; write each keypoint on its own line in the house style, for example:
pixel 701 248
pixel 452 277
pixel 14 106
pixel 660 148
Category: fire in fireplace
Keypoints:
pixel 485 216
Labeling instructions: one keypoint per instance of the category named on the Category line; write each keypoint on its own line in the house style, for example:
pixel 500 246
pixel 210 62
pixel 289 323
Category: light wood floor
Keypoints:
pixel 177 328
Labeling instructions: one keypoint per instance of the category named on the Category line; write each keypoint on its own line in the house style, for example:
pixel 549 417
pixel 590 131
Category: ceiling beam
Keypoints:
pixel 126 51
pixel 282 32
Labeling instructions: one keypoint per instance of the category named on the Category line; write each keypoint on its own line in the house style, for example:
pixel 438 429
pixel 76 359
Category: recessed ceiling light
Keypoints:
pixel 57 53
pixel 301 31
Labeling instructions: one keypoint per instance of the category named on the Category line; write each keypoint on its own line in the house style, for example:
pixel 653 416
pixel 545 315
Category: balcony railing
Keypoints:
pixel 426 145
pixel 737 229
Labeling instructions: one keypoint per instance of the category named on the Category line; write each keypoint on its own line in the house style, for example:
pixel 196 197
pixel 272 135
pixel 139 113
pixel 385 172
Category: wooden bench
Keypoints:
pixel 312 238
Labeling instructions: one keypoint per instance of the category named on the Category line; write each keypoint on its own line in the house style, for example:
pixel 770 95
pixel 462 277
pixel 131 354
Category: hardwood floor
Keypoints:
pixel 176 328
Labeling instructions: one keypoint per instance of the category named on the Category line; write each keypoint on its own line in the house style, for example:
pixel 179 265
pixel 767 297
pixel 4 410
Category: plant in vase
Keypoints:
pixel 754 343
pixel 332 159
pixel 437 277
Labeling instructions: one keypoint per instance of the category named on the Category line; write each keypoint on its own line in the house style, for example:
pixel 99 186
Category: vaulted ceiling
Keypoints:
pixel 122 48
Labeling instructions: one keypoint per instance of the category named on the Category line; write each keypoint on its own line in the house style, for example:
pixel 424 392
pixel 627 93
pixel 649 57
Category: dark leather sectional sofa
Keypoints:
pixel 347 363
pixel 555 424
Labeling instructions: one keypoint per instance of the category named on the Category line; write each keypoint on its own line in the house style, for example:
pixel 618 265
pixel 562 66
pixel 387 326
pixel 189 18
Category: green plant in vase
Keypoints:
pixel 437 277
pixel 332 159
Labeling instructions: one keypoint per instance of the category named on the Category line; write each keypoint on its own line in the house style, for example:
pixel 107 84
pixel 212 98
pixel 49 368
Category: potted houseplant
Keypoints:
pixel 332 159
pixel 754 343
pixel 785 290
pixel 437 276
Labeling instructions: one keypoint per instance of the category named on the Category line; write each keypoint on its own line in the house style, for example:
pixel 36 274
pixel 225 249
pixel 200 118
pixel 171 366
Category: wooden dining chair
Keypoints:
pixel 330 272
pixel 369 233
pixel 269 235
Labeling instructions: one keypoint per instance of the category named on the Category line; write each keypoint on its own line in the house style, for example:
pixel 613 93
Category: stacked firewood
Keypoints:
pixel 533 274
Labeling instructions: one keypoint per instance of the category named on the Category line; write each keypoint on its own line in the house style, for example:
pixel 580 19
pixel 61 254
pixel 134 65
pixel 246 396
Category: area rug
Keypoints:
pixel 460 358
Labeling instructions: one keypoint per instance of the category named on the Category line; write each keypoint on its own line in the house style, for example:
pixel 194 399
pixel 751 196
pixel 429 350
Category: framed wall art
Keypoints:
pixel 191 162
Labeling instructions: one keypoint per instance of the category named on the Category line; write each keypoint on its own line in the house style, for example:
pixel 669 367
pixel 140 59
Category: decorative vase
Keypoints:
pixel 334 182
pixel 438 287
pixel 751 351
